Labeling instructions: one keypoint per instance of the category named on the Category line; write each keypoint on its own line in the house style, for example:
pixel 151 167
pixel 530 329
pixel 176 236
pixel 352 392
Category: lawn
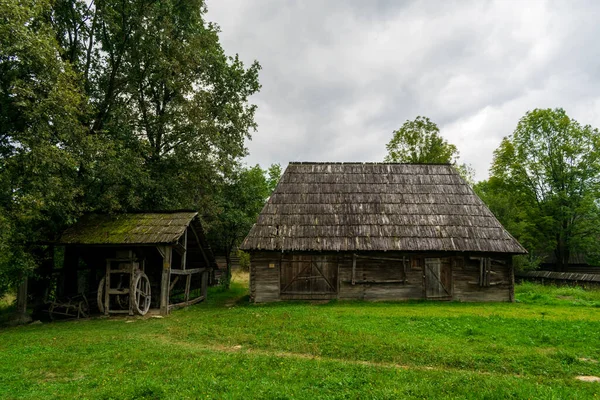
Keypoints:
pixel 227 348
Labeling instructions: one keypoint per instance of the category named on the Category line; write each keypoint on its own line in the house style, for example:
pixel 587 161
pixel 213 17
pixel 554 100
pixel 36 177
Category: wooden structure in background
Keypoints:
pixel 378 231
pixel 137 261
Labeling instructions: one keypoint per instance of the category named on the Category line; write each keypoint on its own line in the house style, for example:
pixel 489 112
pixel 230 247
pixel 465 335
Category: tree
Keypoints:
pixel 240 202
pixel 41 140
pixel 550 168
pixel 419 142
pixel 112 106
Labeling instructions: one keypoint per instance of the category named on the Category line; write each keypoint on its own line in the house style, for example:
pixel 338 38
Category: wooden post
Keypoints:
pixel 167 252
pixel 107 288
pixel 204 284
pixel 188 281
pixel 184 256
pixel 21 316
pixel 511 289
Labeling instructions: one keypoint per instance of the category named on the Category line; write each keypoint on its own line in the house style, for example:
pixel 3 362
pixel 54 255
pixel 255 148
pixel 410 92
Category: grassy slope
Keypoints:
pixel 227 348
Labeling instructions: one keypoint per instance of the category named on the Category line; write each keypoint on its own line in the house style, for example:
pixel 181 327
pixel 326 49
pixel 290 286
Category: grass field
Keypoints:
pixel 227 348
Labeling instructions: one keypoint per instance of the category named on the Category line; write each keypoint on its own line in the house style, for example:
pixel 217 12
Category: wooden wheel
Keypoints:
pixel 100 296
pixel 141 295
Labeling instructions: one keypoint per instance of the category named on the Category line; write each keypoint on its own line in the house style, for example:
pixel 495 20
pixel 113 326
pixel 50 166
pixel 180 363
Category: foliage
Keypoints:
pixel 531 349
pixel 545 182
pixel 112 106
pixel 419 142
pixel 240 200
pixel 244 260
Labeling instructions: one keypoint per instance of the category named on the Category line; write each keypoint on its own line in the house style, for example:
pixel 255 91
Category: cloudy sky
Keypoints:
pixel 338 77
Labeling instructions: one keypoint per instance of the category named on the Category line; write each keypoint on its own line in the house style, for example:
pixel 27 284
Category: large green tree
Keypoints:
pixel 112 106
pixel 240 201
pixel 549 170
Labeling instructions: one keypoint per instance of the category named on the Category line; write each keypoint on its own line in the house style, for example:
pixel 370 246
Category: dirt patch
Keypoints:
pixel 590 360
pixel 588 378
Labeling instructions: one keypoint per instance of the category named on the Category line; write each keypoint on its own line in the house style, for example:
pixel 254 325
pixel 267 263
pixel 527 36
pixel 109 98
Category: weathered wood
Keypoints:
pixel 187 271
pixel 173 283
pixel 185 246
pixel 188 281
pixel 165 278
pixel 186 303
pixel 200 245
pixel 391 276
pixel 204 284
pixel 375 282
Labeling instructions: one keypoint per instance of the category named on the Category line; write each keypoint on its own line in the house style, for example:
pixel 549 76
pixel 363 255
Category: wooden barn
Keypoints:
pixel 130 263
pixel 378 231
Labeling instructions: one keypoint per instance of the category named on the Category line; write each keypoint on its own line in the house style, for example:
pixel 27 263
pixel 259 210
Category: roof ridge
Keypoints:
pixel 359 163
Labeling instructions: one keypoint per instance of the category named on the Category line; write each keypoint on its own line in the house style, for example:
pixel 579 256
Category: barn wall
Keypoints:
pixel 379 277
pixel 385 276
pixel 466 287
pixel 264 281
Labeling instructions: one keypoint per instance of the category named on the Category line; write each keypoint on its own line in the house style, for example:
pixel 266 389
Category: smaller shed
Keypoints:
pixel 129 263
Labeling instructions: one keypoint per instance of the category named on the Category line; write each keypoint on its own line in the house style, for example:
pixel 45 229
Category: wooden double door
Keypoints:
pixel 438 278
pixel 309 276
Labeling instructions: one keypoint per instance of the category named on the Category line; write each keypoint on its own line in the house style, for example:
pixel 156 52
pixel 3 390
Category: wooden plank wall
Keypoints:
pixel 264 280
pixel 466 281
pixel 384 276
pixel 369 272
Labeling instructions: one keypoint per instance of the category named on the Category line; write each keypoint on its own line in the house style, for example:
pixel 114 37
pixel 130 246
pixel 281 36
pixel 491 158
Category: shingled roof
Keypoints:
pixel 134 228
pixel 378 207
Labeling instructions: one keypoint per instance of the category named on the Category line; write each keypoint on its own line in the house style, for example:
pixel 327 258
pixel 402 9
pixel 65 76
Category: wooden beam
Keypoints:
pixel 187 271
pixel 188 281
pixel 186 303
pixel 184 256
pixel 165 279
pixel 200 245
pixel 178 247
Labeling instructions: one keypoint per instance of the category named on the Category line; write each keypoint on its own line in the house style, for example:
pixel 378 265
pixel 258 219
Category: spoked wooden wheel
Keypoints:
pixel 121 300
pixel 141 295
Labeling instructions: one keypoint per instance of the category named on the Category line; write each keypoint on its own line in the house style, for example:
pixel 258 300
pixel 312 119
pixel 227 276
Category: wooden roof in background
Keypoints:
pixel 378 207
pixel 133 228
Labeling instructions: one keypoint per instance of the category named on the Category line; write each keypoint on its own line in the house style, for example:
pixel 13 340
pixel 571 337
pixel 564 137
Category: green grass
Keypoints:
pixel 227 348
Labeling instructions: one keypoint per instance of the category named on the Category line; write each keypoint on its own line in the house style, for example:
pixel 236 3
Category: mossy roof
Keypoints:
pixel 134 228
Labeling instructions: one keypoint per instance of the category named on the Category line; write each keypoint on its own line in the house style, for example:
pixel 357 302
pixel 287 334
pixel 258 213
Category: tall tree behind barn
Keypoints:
pixel 378 231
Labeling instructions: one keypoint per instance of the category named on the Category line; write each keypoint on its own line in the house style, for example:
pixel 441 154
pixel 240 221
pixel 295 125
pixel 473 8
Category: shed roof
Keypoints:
pixel 132 228
pixel 378 207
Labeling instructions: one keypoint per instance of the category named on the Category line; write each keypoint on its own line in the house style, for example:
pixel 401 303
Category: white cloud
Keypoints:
pixel 339 76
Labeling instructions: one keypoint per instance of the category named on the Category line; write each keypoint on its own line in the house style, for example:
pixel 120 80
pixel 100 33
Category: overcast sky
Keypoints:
pixel 338 77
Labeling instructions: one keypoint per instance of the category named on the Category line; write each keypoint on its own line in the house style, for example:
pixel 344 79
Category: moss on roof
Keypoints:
pixel 135 228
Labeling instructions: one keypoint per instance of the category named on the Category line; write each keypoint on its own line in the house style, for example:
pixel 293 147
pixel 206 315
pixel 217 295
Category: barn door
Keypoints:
pixel 309 276
pixel 438 278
